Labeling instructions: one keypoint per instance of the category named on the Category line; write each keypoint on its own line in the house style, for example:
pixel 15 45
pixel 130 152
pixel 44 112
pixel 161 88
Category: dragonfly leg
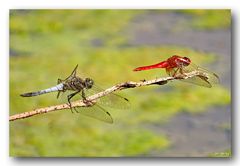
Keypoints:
pixel 168 71
pixel 182 72
pixel 69 98
pixel 58 94
pixel 85 99
pixel 58 82
pixel 180 69
pixel 84 95
pixel 175 72
pixel 172 71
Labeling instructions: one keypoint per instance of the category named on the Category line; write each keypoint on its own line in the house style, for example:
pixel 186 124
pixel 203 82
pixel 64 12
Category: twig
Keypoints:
pixel 120 86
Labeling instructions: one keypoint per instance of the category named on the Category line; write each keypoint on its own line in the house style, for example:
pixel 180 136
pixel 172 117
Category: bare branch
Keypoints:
pixel 120 86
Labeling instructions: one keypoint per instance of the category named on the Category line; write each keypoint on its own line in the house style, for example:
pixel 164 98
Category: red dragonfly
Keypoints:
pixel 177 66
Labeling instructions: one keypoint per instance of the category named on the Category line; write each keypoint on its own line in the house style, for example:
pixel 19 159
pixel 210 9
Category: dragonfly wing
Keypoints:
pixel 96 112
pixel 205 78
pixel 198 80
pixel 111 100
pixel 114 101
pixel 211 77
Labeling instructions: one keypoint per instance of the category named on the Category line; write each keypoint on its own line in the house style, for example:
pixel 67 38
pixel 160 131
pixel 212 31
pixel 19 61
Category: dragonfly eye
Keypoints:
pixel 89 83
pixel 185 61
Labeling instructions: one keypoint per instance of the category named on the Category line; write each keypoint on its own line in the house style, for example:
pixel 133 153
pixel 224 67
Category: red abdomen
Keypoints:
pixel 163 64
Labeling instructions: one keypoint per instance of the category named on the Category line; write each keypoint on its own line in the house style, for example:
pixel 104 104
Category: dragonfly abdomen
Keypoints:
pixel 58 87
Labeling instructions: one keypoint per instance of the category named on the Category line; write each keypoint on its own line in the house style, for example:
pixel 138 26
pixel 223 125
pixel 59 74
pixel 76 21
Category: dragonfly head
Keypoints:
pixel 89 83
pixel 185 61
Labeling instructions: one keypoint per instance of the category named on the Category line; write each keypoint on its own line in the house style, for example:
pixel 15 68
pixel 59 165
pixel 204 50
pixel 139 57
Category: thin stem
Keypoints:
pixel 117 87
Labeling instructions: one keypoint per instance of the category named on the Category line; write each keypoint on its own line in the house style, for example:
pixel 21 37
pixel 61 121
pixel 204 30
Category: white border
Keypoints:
pixel 175 4
pixel 115 4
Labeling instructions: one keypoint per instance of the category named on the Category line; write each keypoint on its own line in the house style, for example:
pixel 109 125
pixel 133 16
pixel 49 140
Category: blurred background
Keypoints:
pixel 173 120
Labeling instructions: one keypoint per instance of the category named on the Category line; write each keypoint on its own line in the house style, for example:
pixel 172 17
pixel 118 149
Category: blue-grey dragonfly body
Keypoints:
pixel 58 87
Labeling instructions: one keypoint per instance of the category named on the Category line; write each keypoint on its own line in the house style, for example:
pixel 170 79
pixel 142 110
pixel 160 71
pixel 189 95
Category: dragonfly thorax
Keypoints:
pixel 76 83
pixel 185 61
pixel 182 61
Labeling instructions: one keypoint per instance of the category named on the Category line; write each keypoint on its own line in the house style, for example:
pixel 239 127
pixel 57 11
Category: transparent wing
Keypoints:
pixel 211 76
pixel 115 101
pixel 111 100
pixel 96 112
pixel 198 80
pixel 207 78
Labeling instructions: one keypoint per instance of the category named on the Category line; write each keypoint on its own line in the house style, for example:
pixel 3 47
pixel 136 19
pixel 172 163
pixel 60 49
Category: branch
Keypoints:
pixel 120 86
